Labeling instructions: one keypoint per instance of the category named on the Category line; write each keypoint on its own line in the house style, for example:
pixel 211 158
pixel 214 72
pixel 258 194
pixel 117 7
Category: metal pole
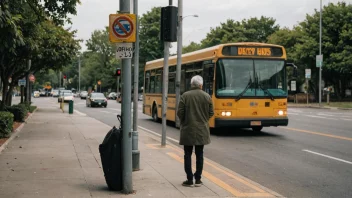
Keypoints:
pixel 320 68
pixel 60 80
pixel 135 151
pixel 179 58
pixel 307 90
pixel 126 116
pixel 27 80
pixel 79 74
pixel 165 89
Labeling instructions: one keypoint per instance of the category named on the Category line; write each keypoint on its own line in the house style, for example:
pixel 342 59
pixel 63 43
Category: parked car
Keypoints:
pixel 96 99
pixel 55 93
pixel 36 94
pixel 68 96
pixel 112 96
pixel 61 95
pixel 83 94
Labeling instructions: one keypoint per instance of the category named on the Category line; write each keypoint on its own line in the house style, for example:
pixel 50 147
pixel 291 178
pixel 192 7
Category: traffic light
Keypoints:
pixel 64 76
pixel 168 24
pixel 118 72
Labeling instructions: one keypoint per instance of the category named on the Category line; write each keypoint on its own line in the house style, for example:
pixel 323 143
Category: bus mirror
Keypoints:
pixel 294 68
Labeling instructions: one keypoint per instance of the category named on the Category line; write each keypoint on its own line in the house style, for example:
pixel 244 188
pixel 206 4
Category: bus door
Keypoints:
pixel 208 77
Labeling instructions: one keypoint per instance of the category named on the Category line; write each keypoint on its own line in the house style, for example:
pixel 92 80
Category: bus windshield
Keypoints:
pixel 250 78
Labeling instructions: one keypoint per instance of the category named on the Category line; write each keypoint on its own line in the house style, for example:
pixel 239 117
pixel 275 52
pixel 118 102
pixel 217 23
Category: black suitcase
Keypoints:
pixel 111 159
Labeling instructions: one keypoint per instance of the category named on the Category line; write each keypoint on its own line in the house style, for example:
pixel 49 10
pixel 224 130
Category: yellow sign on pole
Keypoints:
pixel 122 28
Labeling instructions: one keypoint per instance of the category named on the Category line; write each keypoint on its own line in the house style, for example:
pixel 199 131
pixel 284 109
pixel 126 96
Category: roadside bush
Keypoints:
pixel 6 124
pixel 32 108
pixel 26 104
pixel 19 111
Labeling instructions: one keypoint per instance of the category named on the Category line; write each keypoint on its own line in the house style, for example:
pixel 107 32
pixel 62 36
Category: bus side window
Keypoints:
pixel 208 77
pixel 147 77
pixel 152 82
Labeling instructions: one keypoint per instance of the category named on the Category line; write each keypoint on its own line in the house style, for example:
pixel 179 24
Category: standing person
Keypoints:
pixel 194 111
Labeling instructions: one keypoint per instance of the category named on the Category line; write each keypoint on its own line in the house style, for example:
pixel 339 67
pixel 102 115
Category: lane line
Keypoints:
pixel 313 116
pixel 292 113
pixel 106 112
pixel 327 156
pixel 346 119
pixel 80 113
pixel 318 133
pixel 157 134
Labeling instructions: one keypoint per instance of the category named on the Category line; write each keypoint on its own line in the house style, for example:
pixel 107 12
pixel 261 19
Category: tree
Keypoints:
pixel 251 30
pixel 100 62
pixel 191 47
pixel 31 30
pixel 336 45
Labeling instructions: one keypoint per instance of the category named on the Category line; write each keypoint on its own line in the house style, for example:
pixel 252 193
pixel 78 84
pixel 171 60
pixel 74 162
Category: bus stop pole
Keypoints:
pixel 179 58
pixel 126 116
pixel 135 151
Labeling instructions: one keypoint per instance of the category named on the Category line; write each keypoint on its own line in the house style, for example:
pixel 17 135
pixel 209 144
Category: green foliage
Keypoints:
pixel 191 47
pixel 151 46
pixel 32 30
pixel 19 111
pixel 32 108
pixel 6 124
pixel 251 30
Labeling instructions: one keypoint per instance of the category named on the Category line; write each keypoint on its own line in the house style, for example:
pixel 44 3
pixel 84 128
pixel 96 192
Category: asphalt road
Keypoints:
pixel 310 158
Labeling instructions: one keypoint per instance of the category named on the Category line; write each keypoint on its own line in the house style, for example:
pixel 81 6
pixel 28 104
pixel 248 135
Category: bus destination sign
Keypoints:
pixel 252 51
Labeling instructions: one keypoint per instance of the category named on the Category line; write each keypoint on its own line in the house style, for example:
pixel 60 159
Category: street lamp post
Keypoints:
pixel 179 54
pixel 320 68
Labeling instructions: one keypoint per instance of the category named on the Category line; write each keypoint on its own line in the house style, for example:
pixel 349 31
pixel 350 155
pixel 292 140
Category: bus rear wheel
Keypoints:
pixel 257 128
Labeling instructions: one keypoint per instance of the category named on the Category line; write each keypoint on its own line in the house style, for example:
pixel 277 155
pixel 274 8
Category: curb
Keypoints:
pixel 17 131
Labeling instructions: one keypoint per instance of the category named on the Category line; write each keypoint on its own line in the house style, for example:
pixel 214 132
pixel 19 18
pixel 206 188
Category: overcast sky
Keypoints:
pixel 94 14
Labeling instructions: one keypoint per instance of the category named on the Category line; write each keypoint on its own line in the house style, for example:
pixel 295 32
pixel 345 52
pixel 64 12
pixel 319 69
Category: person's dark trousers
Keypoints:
pixel 199 162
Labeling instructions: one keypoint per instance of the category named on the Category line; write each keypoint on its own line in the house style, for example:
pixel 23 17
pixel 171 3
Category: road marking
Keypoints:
pixel 346 119
pixel 106 112
pixel 338 159
pixel 80 113
pixel 119 110
pixel 292 114
pixel 318 133
pixel 157 134
pixel 313 116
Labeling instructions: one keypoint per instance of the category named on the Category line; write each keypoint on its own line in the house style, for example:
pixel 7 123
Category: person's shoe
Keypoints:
pixel 188 183
pixel 198 183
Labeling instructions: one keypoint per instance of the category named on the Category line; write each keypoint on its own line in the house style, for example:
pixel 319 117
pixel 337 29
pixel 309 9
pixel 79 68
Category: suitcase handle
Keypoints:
pixel 119 118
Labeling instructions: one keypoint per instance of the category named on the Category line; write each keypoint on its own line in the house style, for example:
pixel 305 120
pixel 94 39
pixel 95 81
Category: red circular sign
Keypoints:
pixel 31 78
pixel 125 32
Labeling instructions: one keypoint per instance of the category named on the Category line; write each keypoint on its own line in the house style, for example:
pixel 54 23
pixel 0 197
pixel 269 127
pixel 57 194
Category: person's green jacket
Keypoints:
pixel 194 111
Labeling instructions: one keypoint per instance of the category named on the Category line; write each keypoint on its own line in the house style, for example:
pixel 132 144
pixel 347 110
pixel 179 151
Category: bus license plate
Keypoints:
pixel 256 123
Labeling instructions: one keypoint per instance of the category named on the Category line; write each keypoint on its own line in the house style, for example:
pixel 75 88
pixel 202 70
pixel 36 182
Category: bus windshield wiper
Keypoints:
pixel 244 91
pixel 267 92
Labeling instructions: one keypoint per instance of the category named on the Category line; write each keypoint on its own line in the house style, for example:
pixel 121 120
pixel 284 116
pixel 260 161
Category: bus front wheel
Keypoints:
pixel 257 128
pixel 155 115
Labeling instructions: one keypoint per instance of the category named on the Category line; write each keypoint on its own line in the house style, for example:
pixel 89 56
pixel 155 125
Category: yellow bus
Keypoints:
pixel 247 82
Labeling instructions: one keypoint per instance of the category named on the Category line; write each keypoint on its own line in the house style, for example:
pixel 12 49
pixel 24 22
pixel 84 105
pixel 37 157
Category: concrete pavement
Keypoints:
pixel 56 155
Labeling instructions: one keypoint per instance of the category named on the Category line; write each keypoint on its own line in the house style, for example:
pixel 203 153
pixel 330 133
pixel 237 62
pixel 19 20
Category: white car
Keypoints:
pixel 68 96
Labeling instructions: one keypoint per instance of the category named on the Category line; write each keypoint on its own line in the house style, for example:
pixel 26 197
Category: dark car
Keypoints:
pixel 96 99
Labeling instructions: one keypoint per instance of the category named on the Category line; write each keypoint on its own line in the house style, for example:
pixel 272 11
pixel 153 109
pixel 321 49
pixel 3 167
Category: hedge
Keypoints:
pixel 19 111
pixel 32 108
pixel 6 124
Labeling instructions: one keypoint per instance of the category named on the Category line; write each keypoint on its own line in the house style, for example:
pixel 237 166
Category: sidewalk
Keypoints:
pixel 57 155
pixel 314 105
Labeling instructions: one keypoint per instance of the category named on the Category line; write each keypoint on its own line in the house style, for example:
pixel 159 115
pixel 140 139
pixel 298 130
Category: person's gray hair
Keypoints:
pixel 196 81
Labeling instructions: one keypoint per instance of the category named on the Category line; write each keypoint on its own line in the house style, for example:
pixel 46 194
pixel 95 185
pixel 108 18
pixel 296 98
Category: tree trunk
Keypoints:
pixel 4 95
pixel 9 96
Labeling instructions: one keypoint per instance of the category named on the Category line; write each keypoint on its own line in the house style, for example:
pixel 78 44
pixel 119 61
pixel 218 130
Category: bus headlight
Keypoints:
pixel 281 112
pixel 226 113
